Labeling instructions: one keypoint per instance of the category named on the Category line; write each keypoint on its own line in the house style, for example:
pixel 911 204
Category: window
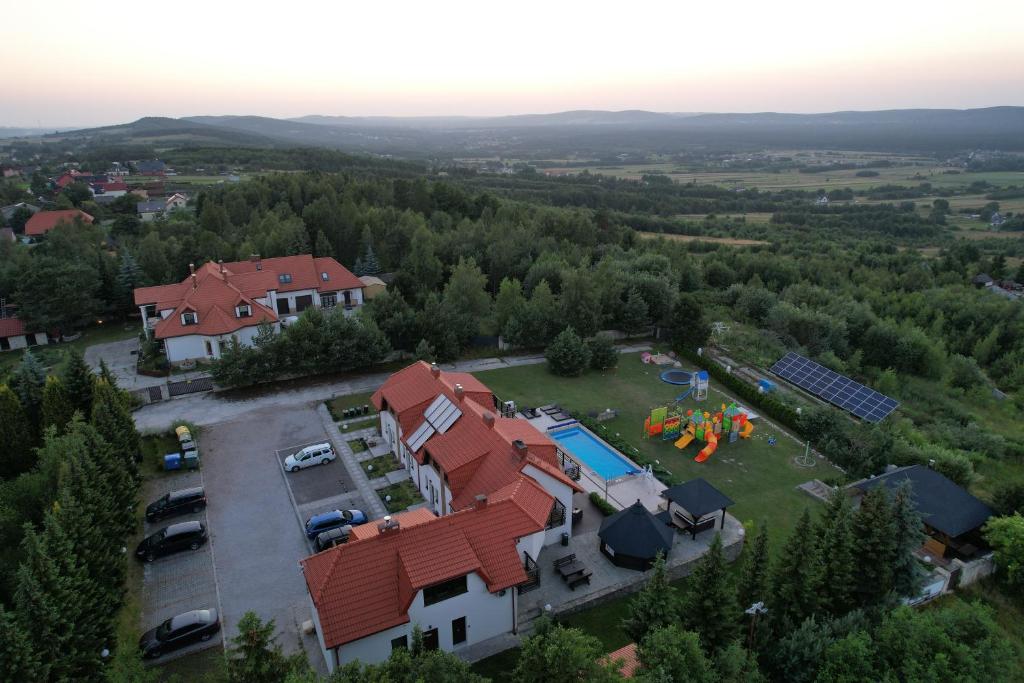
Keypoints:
pixel 243 310
pixel 444 591
pixel 189 318
pixel 328 300
pixel 284 278
pixel 458 630
pixel 324 276
pixel 400 643
pixel 209 348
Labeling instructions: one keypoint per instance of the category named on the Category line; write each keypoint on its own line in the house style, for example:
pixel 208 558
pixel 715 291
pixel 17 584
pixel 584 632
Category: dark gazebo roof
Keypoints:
pixel 698 497
pixel 636 532
pixel 944 506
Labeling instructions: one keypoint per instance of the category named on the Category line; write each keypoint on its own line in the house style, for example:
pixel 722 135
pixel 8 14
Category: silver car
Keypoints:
pixel 319 454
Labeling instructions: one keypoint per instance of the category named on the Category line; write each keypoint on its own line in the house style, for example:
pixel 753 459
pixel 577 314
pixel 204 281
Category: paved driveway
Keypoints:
pixel 120 357
pixel 257 541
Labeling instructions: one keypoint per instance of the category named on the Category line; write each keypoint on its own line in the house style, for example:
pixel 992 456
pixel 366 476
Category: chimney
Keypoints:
pixel 520 447
pixel 480 501
pixel 459 392
pixel 388 525
pixel 195 283
pixel 489 419
pixel 192 268
pixel 220 264
pixel 255 258
pixel 434 370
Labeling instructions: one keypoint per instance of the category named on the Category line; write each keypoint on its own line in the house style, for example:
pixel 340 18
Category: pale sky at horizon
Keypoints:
pixel 74 63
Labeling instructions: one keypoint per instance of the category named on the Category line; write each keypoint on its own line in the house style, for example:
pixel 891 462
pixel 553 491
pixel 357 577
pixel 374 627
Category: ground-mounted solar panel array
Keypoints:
pixel 840 391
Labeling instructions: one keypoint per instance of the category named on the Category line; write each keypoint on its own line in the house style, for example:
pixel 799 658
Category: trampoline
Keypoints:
pixel 677 377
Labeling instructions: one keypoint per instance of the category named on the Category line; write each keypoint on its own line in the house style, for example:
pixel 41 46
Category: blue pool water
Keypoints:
pixel 594 453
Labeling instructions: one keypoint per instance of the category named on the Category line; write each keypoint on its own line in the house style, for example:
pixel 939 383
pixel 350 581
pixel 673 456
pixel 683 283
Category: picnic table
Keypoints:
pixel 572 571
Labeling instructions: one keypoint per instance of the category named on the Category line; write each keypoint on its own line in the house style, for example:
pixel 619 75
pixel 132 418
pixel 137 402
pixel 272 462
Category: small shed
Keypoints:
pixel 696 506
pixel 372 286
pixel 632 538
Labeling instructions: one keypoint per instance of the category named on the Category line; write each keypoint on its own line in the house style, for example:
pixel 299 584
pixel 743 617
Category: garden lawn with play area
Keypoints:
pixel 761 478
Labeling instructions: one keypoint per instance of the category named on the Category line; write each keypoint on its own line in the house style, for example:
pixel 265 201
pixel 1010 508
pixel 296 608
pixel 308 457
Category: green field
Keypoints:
pixel 761 479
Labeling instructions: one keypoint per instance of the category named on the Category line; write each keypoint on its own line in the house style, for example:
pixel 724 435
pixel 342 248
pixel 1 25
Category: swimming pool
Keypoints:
pixel 594 453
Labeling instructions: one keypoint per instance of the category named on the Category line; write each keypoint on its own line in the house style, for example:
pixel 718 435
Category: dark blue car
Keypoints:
pixel 334 519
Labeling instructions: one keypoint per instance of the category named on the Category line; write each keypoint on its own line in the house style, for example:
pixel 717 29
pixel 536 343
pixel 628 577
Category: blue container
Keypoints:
pixel 172 461
pixel 766 385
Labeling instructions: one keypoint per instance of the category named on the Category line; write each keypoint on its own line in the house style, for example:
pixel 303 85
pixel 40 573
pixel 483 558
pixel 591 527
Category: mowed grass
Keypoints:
pixel 731 241
pixel 761 479
pixel 52 356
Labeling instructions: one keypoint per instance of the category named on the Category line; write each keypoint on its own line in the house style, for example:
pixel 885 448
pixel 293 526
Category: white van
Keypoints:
pixel 318 454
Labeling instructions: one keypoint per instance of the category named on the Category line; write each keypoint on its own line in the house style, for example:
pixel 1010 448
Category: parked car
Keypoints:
pixel 179 631
pixel 332 537
pixel 175 503
pixel 319 454
pixel 326 521
pixel 172 539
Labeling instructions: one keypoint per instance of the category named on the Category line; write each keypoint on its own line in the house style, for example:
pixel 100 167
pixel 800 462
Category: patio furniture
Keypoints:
pixel 551 409
pixel 694 500
pixel 568 559
pixel 581 578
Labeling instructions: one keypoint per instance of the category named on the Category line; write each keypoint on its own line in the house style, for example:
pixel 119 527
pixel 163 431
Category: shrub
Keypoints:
pixel 606 508
pixel 603 354
pixel 568 355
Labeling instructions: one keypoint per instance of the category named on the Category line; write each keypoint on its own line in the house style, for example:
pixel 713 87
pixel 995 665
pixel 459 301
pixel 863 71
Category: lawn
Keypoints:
pixel 381 465
pixel 52 355
pixel 403 494
pixel 761 479
pixel 339 404
pixel 357 445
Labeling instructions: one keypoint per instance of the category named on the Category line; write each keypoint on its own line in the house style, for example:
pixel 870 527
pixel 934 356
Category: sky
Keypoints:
pixel 77 63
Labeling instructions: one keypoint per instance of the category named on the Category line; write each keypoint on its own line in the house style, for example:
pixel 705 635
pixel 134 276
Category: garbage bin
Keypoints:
pixel 577 516
pixel 565 538
pixel 192 460
pixel 366 409
pixel 172 461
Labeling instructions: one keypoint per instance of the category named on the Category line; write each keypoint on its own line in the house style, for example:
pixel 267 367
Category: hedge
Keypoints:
pixel 606 508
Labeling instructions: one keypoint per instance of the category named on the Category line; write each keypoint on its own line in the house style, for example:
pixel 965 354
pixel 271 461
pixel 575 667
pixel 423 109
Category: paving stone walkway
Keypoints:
pixel 375 508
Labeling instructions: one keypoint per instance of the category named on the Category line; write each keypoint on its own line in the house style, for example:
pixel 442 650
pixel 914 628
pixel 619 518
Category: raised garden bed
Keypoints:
pixel 357 445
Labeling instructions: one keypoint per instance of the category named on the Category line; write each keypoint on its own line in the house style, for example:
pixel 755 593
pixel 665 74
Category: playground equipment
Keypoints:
pixel 731 422
pixel 696 381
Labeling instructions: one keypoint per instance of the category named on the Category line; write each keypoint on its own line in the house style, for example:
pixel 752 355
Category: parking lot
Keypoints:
pixel 254 517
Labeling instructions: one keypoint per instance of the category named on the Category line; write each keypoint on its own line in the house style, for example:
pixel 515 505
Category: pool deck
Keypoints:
pixel 621 492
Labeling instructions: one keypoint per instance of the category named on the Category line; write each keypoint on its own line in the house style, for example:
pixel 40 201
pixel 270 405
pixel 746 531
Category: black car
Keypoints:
pixel 176 503
pixel 331 538
pixel 179 631
pixel 172 539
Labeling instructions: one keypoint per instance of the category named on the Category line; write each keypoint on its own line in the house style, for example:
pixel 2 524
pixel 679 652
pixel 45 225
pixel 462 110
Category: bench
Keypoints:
pixel 580 578
pixel 562 561
pixel 689 526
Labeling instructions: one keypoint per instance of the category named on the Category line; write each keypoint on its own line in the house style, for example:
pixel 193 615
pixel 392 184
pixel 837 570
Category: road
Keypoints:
pixel 215 407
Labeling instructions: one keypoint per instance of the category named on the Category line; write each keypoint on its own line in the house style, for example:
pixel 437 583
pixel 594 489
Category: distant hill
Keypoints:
pixel 601 134
pixel 16 132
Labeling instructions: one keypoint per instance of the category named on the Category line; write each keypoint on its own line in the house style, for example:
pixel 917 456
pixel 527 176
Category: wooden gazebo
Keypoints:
pixel 696 506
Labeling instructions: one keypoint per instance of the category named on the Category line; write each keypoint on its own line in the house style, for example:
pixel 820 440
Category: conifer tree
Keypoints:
pixel 56 408
pixel 27 382
pixel 322 247
pixel 114 423
pixel 15 435
pixel 106 374
pixel 78 381
pixel 753 581
pixel 371 266
pixel 875 532
pixel 838 557
pixel 18 658
pixel 909 536
pixel 671 654
pixel 129 276
pixel 708 605
pixel 654 606
pixel 795 578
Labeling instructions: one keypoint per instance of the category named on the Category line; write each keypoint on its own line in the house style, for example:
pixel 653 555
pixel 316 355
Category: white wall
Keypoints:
pixel 531 544
pixel 428 476
pixel 194 345
pixel 371 649
pixel 560 491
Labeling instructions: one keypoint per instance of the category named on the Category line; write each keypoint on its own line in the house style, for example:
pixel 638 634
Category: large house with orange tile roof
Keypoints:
pixel 220 302
pixel 497 495
pixel 43 222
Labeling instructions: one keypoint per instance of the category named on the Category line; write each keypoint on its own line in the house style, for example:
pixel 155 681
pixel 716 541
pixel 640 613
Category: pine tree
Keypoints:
pixel 654 606
pixel 15 435
pixel 255 656
pixel 114 423
pixel 874 531
pixel 709 601
pixel 634 315
pixel 54 589
pixel 909 536
pixel 357 268
pixel 78 381
pixel 371 266
pixel 106 374
pixel 838 557
pixel 322 248
pixel 129 276
pixel 18 658
pixel 753 581
pixel 56 408
pixel 424 351
pixel 795 578
pixel 27 382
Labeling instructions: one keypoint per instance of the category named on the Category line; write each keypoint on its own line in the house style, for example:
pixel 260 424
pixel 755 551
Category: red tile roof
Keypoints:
pixel 628 655
pixel 217 292
pixel 405 519
pixel 368 584
pixel 43 222
pixel 11 327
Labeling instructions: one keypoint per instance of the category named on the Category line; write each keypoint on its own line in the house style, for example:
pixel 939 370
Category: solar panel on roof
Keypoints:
pixel 862 401
pixel 438 418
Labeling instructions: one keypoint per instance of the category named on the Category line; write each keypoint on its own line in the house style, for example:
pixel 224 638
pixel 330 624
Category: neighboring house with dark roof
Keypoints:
pixel 952 516
pixel 982 280
pixel 149 209
pixel 153 167
pixel 220 302
pixel 43 222
pixel 496 497
pixel 7 212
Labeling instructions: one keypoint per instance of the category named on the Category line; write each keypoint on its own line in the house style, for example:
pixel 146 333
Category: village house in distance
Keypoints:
pixel 218 302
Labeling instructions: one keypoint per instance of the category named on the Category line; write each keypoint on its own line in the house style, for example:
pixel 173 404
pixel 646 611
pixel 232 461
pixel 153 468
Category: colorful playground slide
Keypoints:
pixel 748 429
pixel 709 449
pixel 684 440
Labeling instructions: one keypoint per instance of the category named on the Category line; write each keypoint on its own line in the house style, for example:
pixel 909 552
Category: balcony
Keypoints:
pixel 532 575
pixel 557 516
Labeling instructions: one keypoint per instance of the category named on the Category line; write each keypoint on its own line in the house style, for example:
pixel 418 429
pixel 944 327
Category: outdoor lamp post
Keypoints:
pixel 754 611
